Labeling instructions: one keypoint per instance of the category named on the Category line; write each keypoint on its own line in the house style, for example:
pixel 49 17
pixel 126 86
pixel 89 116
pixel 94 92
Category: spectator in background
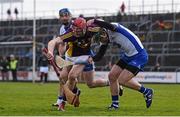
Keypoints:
pixel 13 67
pixel 157 67
pixel 4 65
pixel 16 12
pixel 9 14
pixel 161 24
pixel 122 8
pixel 43 68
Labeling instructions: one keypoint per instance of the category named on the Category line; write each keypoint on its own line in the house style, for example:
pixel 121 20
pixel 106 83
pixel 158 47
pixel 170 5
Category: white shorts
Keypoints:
pixel 81 60
pixel 78 59
pixel 44 69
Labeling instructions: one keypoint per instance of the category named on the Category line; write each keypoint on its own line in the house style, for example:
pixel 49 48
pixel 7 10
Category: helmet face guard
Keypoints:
pixel 78 32
pixel 79 27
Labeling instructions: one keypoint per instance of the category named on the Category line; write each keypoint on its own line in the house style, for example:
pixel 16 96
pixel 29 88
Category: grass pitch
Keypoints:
pixel 27 99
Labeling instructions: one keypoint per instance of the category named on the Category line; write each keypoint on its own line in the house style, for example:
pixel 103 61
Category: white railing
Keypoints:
pixel 87 12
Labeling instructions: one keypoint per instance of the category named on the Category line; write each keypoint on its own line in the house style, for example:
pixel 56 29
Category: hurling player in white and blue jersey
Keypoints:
pixel 128 66
pixel 65 17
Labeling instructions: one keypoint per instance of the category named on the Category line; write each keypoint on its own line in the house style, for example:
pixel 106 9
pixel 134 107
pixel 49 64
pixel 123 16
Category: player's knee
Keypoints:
pixel 112 77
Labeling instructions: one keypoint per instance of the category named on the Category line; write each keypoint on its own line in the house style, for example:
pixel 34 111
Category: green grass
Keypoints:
pixel 34 99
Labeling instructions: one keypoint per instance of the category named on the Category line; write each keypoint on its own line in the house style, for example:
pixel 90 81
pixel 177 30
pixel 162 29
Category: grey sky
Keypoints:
pixel 50 7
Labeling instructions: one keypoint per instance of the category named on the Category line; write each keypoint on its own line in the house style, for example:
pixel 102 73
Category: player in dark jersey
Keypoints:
pixel 78 38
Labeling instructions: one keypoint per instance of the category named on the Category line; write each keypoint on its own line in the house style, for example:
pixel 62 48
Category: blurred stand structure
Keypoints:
pixel 159 32
pixel 127 6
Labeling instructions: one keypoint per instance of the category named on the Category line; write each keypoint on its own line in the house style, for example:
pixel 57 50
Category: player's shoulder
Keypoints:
pixel 63 29
pixel 92 27
pixel 66 35
pixel 118 25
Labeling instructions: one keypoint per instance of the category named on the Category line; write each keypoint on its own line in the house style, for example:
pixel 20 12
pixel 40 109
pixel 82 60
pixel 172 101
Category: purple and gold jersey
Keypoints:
pixel 78 46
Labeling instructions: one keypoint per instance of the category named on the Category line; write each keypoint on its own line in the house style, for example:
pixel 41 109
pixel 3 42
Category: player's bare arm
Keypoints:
pixel 51 46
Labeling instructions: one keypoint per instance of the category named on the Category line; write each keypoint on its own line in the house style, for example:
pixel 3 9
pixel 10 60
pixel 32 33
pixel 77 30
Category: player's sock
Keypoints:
pixel 143 90
pixel 60 98
pixel 61 103
pixel 115 103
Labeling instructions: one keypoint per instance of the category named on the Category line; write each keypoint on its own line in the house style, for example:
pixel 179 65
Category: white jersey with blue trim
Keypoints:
pixel 62 30
pixel 129 42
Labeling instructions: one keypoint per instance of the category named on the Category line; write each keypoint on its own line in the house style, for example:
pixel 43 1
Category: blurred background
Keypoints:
pixel 27 25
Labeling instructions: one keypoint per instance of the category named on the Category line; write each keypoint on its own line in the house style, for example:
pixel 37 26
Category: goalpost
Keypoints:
pixel 34 41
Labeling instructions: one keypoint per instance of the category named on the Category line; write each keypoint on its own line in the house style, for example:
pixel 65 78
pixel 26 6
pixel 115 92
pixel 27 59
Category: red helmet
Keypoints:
pixel 79 27
pixel 80 23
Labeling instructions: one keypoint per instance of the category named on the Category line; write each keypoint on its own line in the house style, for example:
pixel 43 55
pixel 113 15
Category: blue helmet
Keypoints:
pixel 64 11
